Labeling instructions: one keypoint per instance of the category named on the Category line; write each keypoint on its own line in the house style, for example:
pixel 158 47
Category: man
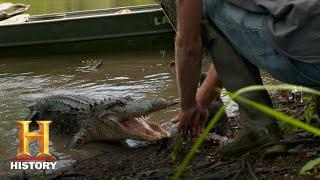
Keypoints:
pixel 280 36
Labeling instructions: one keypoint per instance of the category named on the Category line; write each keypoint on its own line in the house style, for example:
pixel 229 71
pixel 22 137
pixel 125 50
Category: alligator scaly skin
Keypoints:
pixel 70 112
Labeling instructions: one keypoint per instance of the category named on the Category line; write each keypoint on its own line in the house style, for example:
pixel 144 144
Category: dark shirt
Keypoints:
pixel 293 26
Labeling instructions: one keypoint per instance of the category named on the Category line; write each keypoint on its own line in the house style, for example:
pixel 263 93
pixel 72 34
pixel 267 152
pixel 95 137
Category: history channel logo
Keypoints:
pixel 24 160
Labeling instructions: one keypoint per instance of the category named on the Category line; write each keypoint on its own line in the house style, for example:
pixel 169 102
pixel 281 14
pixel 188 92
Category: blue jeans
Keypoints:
pixel 247 33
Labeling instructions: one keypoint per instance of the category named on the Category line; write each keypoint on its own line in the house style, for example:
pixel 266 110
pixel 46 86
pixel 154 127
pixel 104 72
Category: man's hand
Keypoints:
pixel 191 121
pixel 188 66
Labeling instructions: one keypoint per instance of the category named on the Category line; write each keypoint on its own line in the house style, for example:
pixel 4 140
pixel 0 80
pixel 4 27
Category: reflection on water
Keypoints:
pixel 57 6
pixel 24 80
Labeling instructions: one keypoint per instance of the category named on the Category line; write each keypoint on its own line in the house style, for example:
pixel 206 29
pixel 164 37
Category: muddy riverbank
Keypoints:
pixel 160 160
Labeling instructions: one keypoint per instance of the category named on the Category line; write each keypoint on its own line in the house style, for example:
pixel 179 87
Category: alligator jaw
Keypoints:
pixel 138 108
pixel 136 128
pixel 132 120
pixel 139 128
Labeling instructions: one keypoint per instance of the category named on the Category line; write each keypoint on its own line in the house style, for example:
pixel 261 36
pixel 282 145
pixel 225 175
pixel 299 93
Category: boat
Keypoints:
pixel 8 10
pixel 101 24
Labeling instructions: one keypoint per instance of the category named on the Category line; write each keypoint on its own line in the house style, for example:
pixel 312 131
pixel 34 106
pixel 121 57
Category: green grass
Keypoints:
pixel 265 109
pixel 309 166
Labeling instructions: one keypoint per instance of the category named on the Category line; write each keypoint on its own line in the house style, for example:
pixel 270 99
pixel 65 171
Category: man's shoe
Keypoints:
pixel 253 139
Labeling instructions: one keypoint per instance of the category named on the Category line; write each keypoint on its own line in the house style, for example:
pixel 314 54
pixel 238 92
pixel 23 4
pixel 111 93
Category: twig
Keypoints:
pixel 251 172
pixel 217 175
pixel 293 143
pixel 280 170
pixel 301 112
pixel 299 105
pixel 215 165
pixel 242 168
pixel 264 170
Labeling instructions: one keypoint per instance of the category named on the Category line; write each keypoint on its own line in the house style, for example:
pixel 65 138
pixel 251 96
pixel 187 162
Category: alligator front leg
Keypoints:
pixel 80 138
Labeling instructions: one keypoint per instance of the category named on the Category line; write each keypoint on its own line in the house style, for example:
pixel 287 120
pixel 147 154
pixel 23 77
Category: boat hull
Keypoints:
pixel 86 26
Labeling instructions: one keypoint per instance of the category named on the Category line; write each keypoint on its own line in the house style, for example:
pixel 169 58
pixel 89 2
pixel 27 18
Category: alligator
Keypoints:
pixel 112 119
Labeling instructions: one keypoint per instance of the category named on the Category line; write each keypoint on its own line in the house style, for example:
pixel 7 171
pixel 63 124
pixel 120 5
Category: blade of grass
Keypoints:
pixel 276 87
pixel 278 115
pixel 261 107
pixel 310 165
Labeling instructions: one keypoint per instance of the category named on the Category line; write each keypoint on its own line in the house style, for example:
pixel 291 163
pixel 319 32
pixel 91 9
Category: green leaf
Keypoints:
pixel 310 165
pixel 177 147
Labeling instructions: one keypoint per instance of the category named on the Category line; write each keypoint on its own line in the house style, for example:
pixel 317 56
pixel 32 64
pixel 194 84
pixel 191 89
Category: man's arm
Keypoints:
pixel 191 117
pixel 188 50
pixel 210 88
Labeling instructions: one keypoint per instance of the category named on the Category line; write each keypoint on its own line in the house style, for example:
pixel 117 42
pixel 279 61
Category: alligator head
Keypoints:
pixel 107 120
pixel 122 119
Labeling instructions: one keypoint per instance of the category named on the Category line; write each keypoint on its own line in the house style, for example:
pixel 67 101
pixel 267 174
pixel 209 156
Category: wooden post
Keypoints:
pixel 169 8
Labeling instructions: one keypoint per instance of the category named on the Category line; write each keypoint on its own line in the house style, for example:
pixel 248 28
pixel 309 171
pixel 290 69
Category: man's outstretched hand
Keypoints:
pixel 191 121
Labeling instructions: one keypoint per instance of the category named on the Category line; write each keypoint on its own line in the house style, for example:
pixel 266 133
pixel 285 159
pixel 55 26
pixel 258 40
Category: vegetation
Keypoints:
pixel 278 115
pixel 309 166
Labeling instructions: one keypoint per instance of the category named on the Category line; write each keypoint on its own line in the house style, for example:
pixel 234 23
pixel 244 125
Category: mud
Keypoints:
pixel 161 160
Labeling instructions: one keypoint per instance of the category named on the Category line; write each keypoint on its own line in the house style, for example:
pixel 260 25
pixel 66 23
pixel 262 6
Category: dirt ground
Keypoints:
pixel 160 161
pixel 155 162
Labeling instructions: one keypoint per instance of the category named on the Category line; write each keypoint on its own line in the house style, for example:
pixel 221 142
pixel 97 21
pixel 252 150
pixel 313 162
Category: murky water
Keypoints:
pixel 57 6
pixel 140 74
pixel 24 80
